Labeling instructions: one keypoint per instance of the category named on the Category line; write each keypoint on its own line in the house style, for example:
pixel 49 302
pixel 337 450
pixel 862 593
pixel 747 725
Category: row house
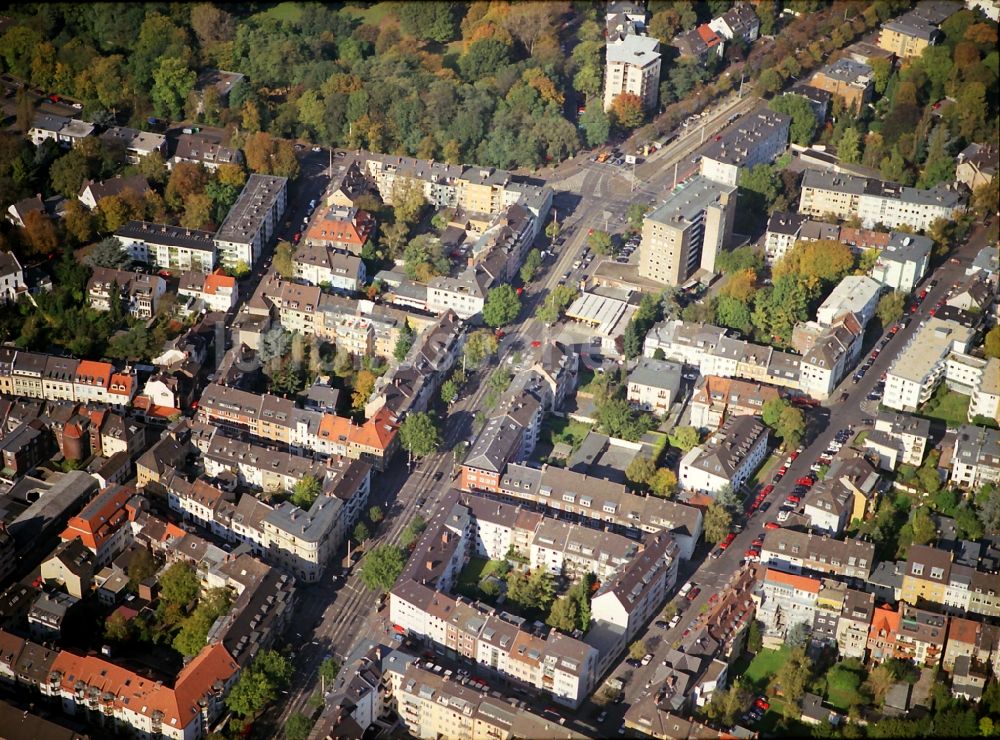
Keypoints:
pixel 801 552
pixel 848 492
pixel 784 601
pixel 330 268
pixel 975 640
pixel 854 625
pixel 716 399
pixel 67 132
pixel 38 375
pixel 576 496
pixel 563 666
pixel 102 525
pixel 731 455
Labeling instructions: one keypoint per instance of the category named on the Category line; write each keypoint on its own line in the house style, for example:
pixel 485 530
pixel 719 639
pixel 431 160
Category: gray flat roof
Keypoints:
pixel 686 204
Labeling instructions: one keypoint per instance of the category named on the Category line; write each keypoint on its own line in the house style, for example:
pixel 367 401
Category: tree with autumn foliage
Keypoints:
pixel 41 234
pixel 627 112
pixel 825 260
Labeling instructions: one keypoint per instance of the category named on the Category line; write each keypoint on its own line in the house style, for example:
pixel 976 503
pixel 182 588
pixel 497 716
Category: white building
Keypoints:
pixel 137 144
pixel 66 132
pixel 985 399
pixel 783 230
pixel 319 264
pixel 464 294
pixel 739 22
pixel 730 457
pixel 168 247
pixel 217 292
pixel 653 385
pixel 252 220
pixel 11 278
pixel 902 264
pixel 857 294
pixel 920 365
pixel 759 137
pixel 977 457
pixel 633 66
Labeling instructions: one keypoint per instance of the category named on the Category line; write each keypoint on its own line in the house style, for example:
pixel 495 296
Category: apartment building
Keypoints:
pixel 687 231
pixel 213 292
pixel 739 22
pixel 339 227
pixel 829 606
pixel 196 148
pixel 848 492
pixel 903 262
pixel 985 399
pixel 851 81
pixel 975 640
pixel 927 574
pixel 716 399
pixel 579 497
pixel 138 293
pixel 730 456
pixel 797 552
pixel 784 601
pixel 102 524
pixel 137 144
pixel 976 460
pixel 854 624
pixel 921 636
pixel 431 705
pixel 898 438
pixel 252 221
pixel 920 366
pixel 783 230
pixel 331 268
pixel 759 137
pixel 653 385
pixel 978 164
pixel 465 294
pixel 67 132
pixel 855 294
pixel 632 65
pixel 626 602
pixel 563 666
pixel 168 247
pixel 699 43
pixel 909 34
pixel 875 202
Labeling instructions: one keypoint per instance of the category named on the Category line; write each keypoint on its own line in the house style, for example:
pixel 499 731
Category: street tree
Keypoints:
pixel 600 242
pixel 381 567
pixel 627 111
pixel 479 345
pixel 361 533
pixel 502 306
pixel 596 124
pixel 449 390
pixel 890 307
pixel 419 434
pixel 718 522
pixel 532 262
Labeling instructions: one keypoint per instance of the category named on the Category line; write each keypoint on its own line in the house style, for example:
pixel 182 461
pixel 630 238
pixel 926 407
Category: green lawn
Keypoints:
pixel 285 12
pixel 950 407
pixel 764 665
pixel 564 429
pixel 475 571
pixel 373 14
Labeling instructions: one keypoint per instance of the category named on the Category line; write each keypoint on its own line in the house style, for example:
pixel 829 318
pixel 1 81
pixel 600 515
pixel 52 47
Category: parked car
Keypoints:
pixel 772 525
pixel 694 594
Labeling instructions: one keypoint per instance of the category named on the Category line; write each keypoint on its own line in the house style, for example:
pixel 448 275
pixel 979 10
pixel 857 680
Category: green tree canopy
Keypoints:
pixel 419 434
pixel 305 492
pixel 502 306
pixel 803 127
pixel 381 567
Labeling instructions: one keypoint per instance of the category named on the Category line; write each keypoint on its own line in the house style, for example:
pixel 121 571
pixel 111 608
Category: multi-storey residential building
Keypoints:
pixel 739 22
pixel 465 294
pixel 920 365
pixel 848 492
pixel 216 292
pixel 875 202
pixel 785 600
pixel 252 221
pixel 140 293
pixel 829 606
pixel 855 623
pixel 978 164
pixel 732 454
pixel 94 191
pixel 66 132
pixel 699 43
pixel 985 399
pixel 579 497
pixel 857 294
pixel 903 262
pixel 102 525
pixel 137 144
pixel 686 232
pixel 12 283
pixel 909 34
pixel 898 438
pixel 200 149
pixel 783 230
pixel 976 459
pixel 927 574
pixel 318 264
pixel 717 399
pixel 921 636
pixel 759 137
pixel 795 551
pixel 633 67
pixel 339 227
pixel 168 247
pixel 848 79
pixel 972 639
pixel 653 385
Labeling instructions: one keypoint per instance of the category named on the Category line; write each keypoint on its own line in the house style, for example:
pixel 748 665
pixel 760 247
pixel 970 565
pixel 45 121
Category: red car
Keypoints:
pixel 752 553
pixel 762 703
pixel 728 541
pixel 693 593
pixel 519 291
pixel 758 542
pixel 536 344
pixel 296 237
pixel 913 308
pixel 794 454
pixel 782 470
pixel 766 490
pixel 772 525
pixel 793 499
pixel 804 481
pixel 500 334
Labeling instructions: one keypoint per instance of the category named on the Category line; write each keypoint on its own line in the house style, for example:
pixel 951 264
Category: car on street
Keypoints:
pixel 694 594
pixel 675 621
pixel 762 703
pixel 766 490
pixel 783 515
pixel 805 480
pixel 686 588
pixel 728 541
pixel 772 525
pixel 752 554
pixel 793 499
pixel 647 659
